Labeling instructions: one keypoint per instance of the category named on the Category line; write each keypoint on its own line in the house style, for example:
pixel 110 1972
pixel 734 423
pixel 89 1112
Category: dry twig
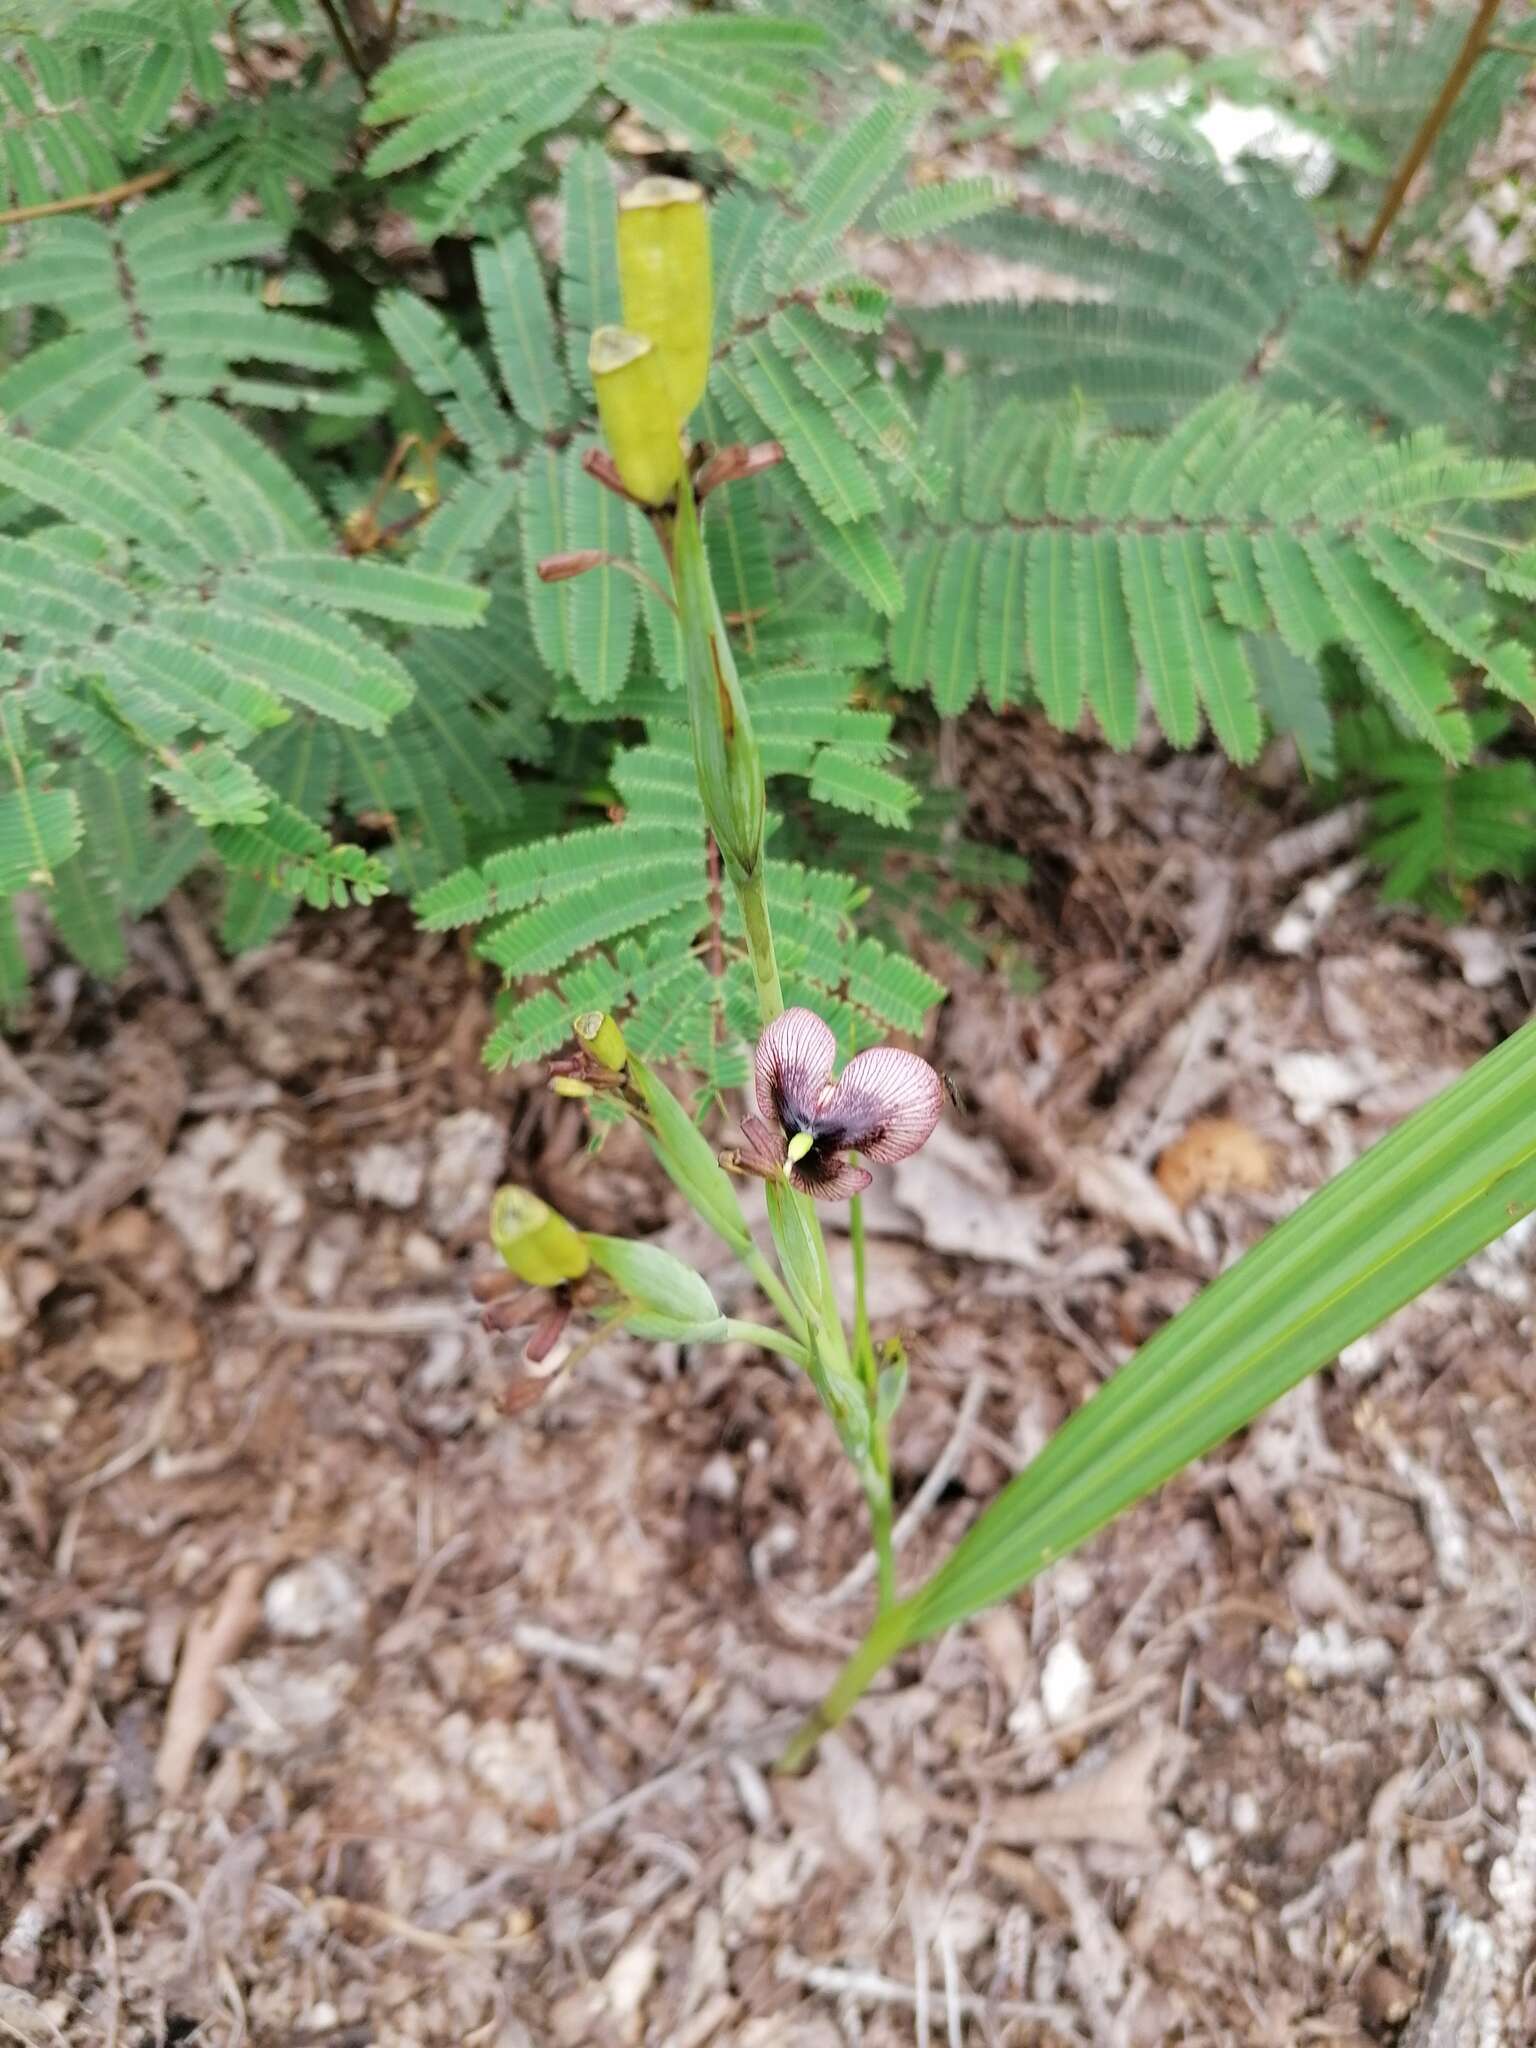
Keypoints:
pixel 62 1869
pixel 213 1640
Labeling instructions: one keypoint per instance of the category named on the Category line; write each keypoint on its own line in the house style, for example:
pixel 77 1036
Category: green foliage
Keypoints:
pixel 86 91
pixel 1442 1185
pixel 1199 281
pixel 1392 70
pixel 1436 831
pixel 476 100
pixel 181 604
pixel 272 501
pixel 1075 565
pixel 164 304
pixel 241 635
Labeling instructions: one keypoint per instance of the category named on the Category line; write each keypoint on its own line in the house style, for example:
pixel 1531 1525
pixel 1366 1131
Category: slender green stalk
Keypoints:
pixel 752 895
pixel 775 1290
pixel 876 1650
pixel 730 773
pixel 863 1343
pixel 877 1490
pixel 769 1340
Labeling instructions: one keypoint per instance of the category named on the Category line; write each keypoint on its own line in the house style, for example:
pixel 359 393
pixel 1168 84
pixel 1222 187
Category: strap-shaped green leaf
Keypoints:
pixel 589 270
pixel 1451 1179
pixel 1000 637
pixel 1157 633
pixel 862 786
pixel 545 530
pixel 1221 671
pixel 1050 608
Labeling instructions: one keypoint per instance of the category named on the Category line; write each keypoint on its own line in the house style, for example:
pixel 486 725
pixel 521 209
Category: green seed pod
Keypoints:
pixel 670 1299
pixel 664 280
pixel 536 1242
pixel 639 416
pixel 602 1038
pixel 725 752
pixel 688 1159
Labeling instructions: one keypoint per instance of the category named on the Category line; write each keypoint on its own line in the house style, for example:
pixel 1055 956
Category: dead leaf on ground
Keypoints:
pixel 1217 1155
pixel 1113 1804
pixel 126 1347
pixel 1123 1192
pixel 959 1191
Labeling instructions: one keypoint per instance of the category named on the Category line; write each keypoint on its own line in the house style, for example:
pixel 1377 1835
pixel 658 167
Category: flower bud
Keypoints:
pixel 602 1038
pixel 688 1160
pixel 664 280
pixel 725 752
pixel 639 417
pixel 537 1243
pixel 670 1300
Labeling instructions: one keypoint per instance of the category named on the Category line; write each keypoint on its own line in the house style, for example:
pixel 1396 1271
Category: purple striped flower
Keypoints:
pixel 884 1104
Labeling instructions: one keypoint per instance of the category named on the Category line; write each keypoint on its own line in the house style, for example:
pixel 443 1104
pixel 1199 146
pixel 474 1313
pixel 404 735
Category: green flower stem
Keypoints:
pixel 769 1340
pixel 876 1650
pixel 734 797
pixel 775 1290
pixel 752 895
pixel 877 1486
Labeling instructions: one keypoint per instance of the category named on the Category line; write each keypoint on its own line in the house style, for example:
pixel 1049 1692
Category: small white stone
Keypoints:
pixel 1485 957
pixel 718 1479
pixel 1201 1849
pixel 1324 1655
pixel 1066 1682
pixel 630 1976
pixel 317 1598
pixel 1316 1082
pixel 1245 1814
pixel 467 1154
pixel 391 1174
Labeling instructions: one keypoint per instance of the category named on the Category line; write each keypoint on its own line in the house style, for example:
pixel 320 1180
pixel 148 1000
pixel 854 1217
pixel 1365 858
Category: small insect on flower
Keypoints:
pixel 884 1104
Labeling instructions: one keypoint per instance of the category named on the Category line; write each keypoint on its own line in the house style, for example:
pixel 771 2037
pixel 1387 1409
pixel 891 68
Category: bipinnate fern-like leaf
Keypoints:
pixel 1190 280
pixel 478 100
pixel 88 90
pixel 1086 566
pixel 159 304
pixel 180 601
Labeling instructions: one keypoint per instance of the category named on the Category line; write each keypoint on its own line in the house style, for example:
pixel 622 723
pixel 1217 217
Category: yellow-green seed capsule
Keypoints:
pixel 664 280
pixel 573 1089
pixel 640 421
pixel 535 1241
pixel 601 1037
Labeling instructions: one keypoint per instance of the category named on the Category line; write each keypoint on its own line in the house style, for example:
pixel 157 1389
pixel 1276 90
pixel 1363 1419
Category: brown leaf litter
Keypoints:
pixel 322 1673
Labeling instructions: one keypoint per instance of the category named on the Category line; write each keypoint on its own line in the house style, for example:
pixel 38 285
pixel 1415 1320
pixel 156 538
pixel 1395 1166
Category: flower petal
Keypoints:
pixel 794 1065
pixel 829 1180
pixel 885 1104
pixel 765 1135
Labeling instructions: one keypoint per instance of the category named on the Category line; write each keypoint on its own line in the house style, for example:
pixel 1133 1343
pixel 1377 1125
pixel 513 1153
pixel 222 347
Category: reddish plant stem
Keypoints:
pixel 1455 79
